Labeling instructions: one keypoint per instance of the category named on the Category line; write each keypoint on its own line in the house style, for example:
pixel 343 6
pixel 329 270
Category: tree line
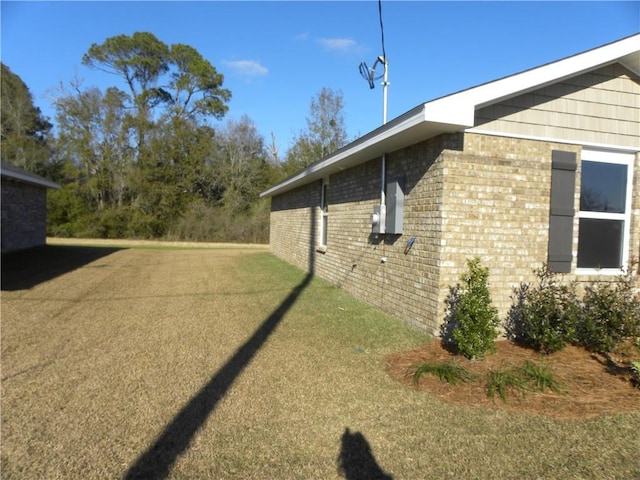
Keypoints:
pixel 147 160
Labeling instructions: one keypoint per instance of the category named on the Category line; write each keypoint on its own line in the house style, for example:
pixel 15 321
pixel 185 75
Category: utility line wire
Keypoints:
pixel 384 54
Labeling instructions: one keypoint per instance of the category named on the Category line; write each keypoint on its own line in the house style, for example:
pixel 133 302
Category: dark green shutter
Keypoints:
pixel 563 182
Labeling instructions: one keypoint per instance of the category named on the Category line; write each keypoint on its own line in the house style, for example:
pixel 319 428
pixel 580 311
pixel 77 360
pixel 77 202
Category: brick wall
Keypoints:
pixel 293 229
pixel 24 215
pixel 466 195
pixel 497 196
pixel 406 284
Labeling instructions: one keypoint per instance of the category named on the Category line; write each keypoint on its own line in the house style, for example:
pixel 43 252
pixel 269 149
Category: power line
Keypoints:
pixel 384 54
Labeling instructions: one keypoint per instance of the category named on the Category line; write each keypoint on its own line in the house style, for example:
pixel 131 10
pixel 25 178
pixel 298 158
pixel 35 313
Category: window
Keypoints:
pixel 605 211
pixel 324 207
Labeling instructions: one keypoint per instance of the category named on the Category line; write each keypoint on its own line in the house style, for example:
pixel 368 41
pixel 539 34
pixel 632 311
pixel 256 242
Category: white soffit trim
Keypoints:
pixel 456 112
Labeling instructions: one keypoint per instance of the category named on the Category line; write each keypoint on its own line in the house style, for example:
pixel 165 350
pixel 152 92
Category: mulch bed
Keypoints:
pixel 592 384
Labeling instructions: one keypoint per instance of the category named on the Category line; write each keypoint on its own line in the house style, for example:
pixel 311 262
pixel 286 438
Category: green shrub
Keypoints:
pixel 67 214
pixel 635 371
pixel 113 223
pixel 472 318
pixel 610 314
pixel 206 223
pixel 450 372
pixel 544 316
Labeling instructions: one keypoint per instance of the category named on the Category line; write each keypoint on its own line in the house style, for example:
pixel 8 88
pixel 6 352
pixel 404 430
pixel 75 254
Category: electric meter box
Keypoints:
pixel 395 206
pixel 378 219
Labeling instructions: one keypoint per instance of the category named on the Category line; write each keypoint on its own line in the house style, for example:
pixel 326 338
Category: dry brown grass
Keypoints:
pixel 260 374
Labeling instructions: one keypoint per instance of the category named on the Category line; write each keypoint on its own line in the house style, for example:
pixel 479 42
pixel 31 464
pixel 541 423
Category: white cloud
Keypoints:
pixel 341 45
pixel 247 68
pixel 301 37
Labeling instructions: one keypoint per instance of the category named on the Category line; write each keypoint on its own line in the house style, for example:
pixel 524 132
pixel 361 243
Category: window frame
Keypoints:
pixel 618 158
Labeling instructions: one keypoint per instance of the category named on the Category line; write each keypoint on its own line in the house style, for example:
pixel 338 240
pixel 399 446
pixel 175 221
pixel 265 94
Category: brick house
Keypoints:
pixel 24 208
pixel 539 167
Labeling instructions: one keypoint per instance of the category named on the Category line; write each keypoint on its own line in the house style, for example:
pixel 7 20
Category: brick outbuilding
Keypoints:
pixel 24 208
pixel 539 167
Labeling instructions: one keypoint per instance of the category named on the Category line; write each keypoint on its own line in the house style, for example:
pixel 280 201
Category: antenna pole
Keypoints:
pixel 385 84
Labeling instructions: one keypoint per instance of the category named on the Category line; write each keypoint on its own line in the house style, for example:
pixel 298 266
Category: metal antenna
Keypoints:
pixel 385 84
pixel 369 73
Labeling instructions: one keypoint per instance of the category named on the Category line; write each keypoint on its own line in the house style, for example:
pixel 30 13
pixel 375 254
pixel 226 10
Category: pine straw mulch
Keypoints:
pixel 592 384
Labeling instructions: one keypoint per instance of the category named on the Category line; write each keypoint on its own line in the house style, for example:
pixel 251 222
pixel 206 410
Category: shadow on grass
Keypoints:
pixel 27 268
pixel 356 460
pixel 157 460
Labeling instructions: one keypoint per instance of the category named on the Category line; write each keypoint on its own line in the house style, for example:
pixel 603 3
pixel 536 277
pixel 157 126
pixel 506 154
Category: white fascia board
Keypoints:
pixel 460 107
pixel 452 110
pixel 553 72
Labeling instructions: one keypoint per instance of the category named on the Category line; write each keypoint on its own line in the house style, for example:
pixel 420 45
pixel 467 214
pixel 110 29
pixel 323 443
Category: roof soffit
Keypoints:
pixel 632 62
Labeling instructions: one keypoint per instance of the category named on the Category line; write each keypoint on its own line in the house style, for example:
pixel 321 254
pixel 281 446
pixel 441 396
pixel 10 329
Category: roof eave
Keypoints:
pixel 16 173
pixel 456 112
pixel 410 128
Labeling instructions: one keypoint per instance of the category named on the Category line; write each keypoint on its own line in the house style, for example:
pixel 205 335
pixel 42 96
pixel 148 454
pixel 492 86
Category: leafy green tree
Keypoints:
pixel 241 164
pixel 94 136
pixel 196 85
pixel 324 134
pixel 193 86
pixel 68 214
pixel 181 173
pixel 24 130
pixel 139 60
pixel 145 153
pixel 239 170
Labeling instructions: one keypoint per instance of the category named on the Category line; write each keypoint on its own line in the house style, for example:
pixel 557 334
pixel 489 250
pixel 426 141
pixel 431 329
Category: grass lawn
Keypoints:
pixel 227 363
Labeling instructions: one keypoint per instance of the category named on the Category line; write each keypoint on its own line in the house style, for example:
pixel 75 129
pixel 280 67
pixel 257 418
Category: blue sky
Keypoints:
pixel 276 56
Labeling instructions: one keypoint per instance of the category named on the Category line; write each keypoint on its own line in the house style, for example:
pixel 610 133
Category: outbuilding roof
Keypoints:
pixel 456 112
pixel 17 173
